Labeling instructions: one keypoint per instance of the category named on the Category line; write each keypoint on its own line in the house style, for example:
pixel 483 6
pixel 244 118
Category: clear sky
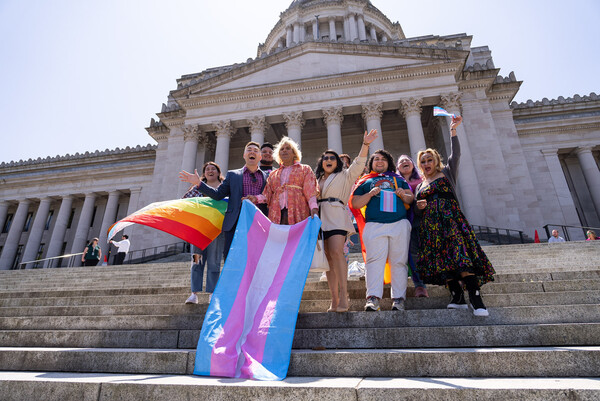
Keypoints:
pixel 79 76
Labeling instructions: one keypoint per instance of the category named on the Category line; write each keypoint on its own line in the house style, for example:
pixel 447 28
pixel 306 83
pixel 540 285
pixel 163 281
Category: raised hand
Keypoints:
pixel 370 136
pixel 456 121
pixel 193 179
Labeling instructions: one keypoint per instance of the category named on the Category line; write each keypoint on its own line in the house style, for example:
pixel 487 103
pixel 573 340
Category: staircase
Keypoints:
pixel 123 332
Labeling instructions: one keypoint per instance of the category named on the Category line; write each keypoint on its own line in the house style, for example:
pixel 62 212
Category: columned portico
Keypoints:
pixel 362 32
pixel 36 231
pixel 352 27
pixel 14 234
pixel 333 119
pixel 289 36
pixel 258 126
pixel 294 121
pixel 591 173
pixel 60 228
pixel 565 200
pixel 373 34
pixel 134 200
pixel 110 217
pixel 472 202
pixel 83 226
pixel 411 110
pixel 224 132
pixel 372 114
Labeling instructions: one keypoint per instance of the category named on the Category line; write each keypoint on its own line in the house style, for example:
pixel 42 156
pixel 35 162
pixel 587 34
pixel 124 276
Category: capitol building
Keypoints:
pixel 327 71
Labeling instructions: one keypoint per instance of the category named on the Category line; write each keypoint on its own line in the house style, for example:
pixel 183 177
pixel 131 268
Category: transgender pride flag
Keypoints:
pixel 439 112
pixel 249 326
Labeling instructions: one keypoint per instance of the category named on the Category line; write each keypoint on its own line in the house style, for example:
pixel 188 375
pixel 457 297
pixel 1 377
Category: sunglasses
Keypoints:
pixel 325 158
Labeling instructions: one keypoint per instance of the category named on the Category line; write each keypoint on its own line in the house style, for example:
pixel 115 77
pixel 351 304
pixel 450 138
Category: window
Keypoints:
pixel 40 252
pixel 9 219
pixel 49 220
pixel 71 216
pixel 28 221
pixel 17 259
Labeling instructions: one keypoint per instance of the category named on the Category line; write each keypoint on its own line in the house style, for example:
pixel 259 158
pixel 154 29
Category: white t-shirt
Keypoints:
pixel 122 245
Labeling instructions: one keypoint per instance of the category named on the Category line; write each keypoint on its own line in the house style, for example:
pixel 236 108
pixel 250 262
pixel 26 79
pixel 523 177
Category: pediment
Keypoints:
pixel 314 64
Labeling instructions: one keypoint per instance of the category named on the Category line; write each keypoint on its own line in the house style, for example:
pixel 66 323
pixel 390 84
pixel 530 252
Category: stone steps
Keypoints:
pixel 18 386
pixel 128 333
pixel 431 362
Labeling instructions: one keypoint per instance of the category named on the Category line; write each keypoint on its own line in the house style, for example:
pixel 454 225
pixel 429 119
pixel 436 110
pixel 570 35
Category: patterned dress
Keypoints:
pixel 448 244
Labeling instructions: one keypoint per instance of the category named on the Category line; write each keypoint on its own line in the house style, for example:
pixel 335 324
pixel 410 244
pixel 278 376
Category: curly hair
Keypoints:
pixel 437 158
pixel 388 157
pixel 295 149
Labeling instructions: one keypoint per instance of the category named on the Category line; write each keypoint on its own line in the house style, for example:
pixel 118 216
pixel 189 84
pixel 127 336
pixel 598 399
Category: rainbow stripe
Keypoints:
pixel 249 326
pixel 195 220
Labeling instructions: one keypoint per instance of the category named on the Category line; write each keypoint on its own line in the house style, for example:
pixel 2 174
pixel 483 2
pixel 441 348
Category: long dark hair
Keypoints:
pixel 319 171
pixel 387 155
pixel 216 166
pixel 414 174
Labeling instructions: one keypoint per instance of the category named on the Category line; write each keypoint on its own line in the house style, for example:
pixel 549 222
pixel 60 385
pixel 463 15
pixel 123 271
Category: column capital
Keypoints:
pixel 333 115
pixel 372 111
pixel 257 123
pixel 451 101
pixel 191 132
pixel 411 106
pixel 135 190
pixel 294 119
pixel 224 128
pixel 583 149
pixel 90 194
pixel 114 193
pixel 549 152
pixel 66 196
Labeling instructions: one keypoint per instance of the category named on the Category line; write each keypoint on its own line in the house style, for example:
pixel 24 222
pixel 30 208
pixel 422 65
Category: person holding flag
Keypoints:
pixel 384 228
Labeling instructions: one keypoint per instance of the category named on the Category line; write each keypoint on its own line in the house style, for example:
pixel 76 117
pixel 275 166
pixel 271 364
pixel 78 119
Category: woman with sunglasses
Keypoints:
pixel 335 185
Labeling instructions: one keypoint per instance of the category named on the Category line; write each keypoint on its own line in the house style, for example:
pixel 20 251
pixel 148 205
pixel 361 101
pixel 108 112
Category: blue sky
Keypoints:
pixel 78 76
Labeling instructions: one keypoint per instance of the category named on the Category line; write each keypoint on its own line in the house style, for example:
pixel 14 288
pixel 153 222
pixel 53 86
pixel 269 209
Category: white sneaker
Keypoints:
pixel 398 304
pixel 323 277
pixel 372 304
pixel 193 299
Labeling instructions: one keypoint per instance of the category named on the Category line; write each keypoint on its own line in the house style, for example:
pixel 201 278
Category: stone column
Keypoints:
pixel 36 231
pixel 333 118
pixel 373 34
pixel 110 218
pixel 346 29
pixel 3 213
pixel 591 174
pixel 294 121
pixel 60 228
pixel 315 28
pixel 362 32
pixel 258 126
pixel 133 206
pixel 296 32
pixel 411 110
pixel 224 133
pixel 565 200
pixel 190 150
pixel 372 114
pixel 332 31
pixel 468 184
pixel 352 27
pixel 14 235
pixel 289 36
pixel 83 227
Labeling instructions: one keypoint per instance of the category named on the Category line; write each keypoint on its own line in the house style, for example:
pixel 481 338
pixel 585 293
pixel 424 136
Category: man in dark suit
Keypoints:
pixel 248 180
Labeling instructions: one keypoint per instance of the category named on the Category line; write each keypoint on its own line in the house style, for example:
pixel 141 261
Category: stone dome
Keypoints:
pixel 340 21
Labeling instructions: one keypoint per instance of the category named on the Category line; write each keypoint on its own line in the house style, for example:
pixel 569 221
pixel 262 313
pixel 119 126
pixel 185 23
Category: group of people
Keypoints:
pixel 93 253
pixel 408 219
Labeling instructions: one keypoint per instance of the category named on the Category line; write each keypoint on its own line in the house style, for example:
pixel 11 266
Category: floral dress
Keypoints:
pixel 448 244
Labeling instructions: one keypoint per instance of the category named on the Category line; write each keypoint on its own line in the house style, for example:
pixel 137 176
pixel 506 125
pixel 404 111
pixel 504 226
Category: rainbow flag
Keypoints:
pixel 439 112
pixel 195 220
pixel 249 326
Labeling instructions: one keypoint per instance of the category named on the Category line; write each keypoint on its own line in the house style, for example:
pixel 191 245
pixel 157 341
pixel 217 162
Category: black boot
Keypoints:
pixel 458 296
pixel 475 297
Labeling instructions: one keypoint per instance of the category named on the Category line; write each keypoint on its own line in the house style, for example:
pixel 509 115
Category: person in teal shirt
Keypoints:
pixel 92 253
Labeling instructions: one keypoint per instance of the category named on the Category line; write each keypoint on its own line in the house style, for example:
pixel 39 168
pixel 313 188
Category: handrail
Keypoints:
pixel 496 235
pixel 565 232
pixel 53 258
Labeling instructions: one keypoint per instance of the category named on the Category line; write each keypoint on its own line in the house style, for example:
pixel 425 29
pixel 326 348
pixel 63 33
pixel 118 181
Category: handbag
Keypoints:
pixel 319 261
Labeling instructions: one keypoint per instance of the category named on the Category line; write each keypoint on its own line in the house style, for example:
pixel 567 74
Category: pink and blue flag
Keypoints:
pixel 387 201
pixel 439 112
pixel 249 326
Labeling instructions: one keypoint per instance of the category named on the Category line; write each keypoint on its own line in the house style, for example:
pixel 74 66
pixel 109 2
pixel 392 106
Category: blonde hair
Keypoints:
pixel 286 140
pixel 436 158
